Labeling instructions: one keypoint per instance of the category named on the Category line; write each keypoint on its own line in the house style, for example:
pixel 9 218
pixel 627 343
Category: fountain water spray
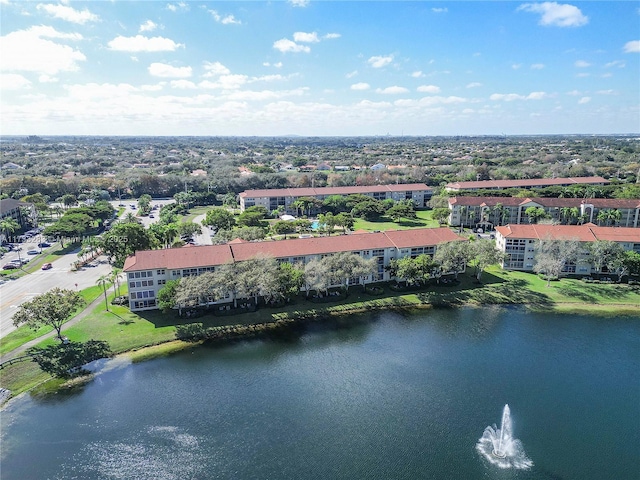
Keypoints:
pixel 499 447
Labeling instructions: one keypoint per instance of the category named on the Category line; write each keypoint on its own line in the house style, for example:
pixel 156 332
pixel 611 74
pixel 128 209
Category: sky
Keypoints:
pixel 319 68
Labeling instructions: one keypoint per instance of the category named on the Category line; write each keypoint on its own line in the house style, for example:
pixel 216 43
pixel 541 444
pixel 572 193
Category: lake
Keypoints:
pixel 396 396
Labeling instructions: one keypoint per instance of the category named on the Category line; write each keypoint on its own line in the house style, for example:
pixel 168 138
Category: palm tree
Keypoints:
pixel 115 276
pixel 463 217
pixel 57 209
pixel 103 281
pixel 9 226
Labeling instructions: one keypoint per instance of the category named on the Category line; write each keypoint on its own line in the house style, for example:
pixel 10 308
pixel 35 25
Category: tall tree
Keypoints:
pixel 485 253
pixel 552 255
pixel 52 308
pixel 220 219
pixel 125 239
pixel 453 257
pixel 8 226
pixel 103 281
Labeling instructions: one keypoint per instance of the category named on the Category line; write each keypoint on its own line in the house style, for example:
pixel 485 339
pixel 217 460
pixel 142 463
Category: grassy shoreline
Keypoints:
pixel 140 337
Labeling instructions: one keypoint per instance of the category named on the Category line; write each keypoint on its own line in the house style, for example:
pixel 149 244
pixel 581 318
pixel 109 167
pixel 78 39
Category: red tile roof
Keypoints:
pixel 313 192
pixel 584 233
pixel 207 255
pixel 527 182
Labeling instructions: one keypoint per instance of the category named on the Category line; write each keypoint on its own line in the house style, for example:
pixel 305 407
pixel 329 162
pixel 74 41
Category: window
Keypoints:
pixel 160 272
pixel 162 282
pixel 130 275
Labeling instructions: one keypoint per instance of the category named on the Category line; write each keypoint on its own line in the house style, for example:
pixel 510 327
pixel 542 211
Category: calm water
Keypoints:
pixel 399 397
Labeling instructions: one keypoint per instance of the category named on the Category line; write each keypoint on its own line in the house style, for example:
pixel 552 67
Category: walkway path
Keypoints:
pixel 16 352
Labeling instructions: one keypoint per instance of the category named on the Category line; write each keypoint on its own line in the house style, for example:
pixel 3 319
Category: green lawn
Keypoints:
pixel 423 220
pixel 194 212
pixel 25 334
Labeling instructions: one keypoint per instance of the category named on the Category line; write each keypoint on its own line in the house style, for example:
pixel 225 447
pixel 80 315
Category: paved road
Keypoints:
pixel 15 292
pixel 205 237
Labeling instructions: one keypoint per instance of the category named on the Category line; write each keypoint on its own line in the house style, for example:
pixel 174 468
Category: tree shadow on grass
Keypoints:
pixel 505 292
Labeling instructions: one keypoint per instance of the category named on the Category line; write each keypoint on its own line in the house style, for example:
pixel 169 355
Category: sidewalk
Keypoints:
pixel 21 350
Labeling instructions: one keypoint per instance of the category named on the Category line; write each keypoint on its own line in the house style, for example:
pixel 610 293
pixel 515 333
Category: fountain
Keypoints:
pixel 499 447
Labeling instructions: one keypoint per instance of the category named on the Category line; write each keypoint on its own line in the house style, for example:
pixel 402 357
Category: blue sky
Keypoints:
pixel 319 68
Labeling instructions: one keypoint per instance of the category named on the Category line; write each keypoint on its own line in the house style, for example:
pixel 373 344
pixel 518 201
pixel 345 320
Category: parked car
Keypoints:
pixel 44 244
pixel 33 252
pixel 10 266
pixel 151 216
pixel 47 266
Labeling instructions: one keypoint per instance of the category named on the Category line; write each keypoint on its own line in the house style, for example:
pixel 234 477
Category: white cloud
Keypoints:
pixel 395 90
pixel 140 43
pixel 331 36
pixel 225 20
pixel 351 74
pixel 584 100
pixel 506 97
pixel 31 51
pixel 225 82
pixel 607 92
pixel 285 45
pixel 215 69
pixel 182 84
pixel 581 64
pixel 439 10
pixel 94 91
pixel 68 14
pixel 148 26
pixel 574 93
pixel 516 66
pixel 474 85
pixel 13 81
pixel 274 65
pixel 299 3
pixel 174 7
pixel 615 63
pixel 380 61
pixel 44 78
pixel 556 14
pixel 305 37
pixel 417 74
pixel 510 97
pixel 537 66
pixel 537 96
pixel 168 71
pixel 429 89
pixel 632 47
pixel 360 86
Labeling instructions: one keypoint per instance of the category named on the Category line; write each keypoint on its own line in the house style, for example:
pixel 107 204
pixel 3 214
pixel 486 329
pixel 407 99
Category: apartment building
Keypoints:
pixel 519 242
pixel 148 271
pixel 271 199
pixel 488 212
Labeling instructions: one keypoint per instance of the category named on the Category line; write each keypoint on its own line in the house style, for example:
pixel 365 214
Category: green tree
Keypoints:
pixel 52 308
pixel 345 221
pixel 485 253
pixel 343 266
pixel 103 281
pixel 65 360
pixel 69 200
pixel 125 239
pixel 535 214
pixel 368 209
pixel 603 252
pixel 441 215
pixel 9 226
pixel 282 227
pixel 167 296
pixel 401 210
pixel 220 219
pixel 453 257
pixel 189 229
pixel 552 255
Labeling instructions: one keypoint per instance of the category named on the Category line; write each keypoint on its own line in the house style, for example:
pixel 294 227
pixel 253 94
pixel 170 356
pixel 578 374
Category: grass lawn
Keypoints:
pixel 25 334
pixel 194 212
pixel 424 220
